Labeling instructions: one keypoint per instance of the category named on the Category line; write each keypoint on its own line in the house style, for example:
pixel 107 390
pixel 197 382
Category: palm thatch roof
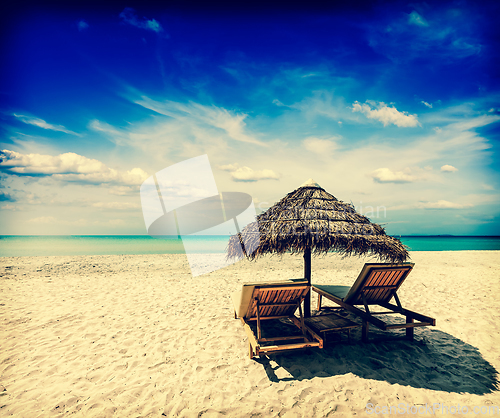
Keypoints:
pixel 311 218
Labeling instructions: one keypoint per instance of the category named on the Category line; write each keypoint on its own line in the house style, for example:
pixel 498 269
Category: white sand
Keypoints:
pixel 137 336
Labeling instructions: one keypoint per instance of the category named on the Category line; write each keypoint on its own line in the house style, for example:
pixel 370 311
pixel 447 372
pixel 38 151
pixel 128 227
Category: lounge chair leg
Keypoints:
pixel 250 351
pixel 302 327
pixel 409 331
pixel 364 331
pixel 319 302
pixel 259 334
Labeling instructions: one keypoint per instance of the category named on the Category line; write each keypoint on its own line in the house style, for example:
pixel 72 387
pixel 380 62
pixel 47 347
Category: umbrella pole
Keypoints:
pixel 307 276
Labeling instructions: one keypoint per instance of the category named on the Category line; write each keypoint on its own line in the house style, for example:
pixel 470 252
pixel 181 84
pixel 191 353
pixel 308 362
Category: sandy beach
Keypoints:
pixel 138 336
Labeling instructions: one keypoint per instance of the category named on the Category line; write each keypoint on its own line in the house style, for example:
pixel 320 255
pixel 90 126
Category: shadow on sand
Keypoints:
pixel 434 360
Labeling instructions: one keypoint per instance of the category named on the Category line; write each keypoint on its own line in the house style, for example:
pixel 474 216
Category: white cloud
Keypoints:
pixel 385 175
pixel 17 163
pixel 448 168
pixel 429 105
pixel 442 204
pixel 67 167
pixel 42 124
pixel 415 19
pixel 246 174
pixel 320 146
pixel 386 114
pixel 128 16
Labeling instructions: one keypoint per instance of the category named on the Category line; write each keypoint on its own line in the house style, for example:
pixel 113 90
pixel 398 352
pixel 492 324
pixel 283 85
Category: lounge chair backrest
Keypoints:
pixel 377 282
pixel 274 299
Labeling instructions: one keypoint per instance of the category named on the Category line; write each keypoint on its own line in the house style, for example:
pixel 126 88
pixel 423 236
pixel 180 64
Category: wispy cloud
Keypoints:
pixel 51 220
pixel 67 167
pixel 116 205
pixel 438 204
pixel 82 25
pixel 415 19
pixel 118 136
pixel 321 146
pixel 469 123
pixel 443 204
pixel 232 124
pixel 385 114
pixel 43 220
pixel 128 16
pixel 450 34
pixel 385 175
pixel 13 208
pixel 121 190
pixel 429 105
pixel 30 120
pixel 324 104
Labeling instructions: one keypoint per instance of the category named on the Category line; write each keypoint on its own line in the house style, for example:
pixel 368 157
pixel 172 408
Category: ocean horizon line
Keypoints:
pixel 219 235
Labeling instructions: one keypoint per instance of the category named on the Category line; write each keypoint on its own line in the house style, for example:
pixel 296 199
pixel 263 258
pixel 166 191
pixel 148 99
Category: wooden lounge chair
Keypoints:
pixel 377 284
pixel 265 301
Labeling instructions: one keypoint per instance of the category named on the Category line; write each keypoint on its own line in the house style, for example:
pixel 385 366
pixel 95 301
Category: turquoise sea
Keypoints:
pixel 24 245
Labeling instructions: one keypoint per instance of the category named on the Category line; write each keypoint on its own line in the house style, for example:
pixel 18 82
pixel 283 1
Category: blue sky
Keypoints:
pixel 392 106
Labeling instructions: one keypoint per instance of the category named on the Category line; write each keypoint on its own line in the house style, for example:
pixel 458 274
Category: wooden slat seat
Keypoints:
pixel 377 284
pixel 275 300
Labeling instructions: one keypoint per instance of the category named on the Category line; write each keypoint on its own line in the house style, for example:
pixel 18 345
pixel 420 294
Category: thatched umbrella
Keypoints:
pixel 311 220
